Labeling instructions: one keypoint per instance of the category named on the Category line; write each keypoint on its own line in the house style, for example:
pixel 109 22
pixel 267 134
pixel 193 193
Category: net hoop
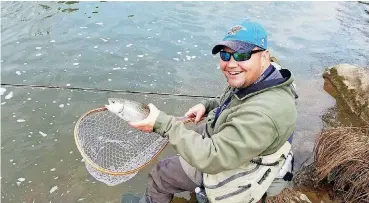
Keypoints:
pixel 92 163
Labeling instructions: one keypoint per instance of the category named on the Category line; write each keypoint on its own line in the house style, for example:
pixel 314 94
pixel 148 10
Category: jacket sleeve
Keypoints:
pixel 210 104
pixel 245 135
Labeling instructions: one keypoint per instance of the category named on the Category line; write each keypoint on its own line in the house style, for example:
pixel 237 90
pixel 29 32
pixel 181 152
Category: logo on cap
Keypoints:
pixel 235 29
pixel 262 42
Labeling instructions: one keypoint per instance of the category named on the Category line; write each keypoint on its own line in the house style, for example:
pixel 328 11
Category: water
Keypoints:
pixel 145 46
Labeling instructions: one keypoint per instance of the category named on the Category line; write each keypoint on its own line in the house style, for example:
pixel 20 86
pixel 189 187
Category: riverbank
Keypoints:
pixel 340 170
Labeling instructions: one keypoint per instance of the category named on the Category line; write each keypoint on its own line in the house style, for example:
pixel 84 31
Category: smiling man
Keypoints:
pixel 240 153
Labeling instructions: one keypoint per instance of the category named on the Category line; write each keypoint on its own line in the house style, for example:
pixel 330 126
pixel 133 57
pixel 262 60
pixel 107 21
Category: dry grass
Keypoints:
pixel 342 158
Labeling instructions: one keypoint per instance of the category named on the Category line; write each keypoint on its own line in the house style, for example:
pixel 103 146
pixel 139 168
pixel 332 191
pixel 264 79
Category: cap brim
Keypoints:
pixel 238 46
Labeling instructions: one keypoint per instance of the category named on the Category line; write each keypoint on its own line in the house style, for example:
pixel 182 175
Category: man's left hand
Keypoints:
pixel 147 124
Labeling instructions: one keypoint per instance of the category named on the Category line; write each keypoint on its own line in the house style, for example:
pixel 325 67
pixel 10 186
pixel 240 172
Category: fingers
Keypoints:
pixel 137 124
pixel 189 114
pixel 198 117
pixel 141 125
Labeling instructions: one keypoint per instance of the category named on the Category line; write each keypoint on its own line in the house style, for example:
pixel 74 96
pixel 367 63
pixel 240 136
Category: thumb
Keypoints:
pixel 152 107
pixel 198 117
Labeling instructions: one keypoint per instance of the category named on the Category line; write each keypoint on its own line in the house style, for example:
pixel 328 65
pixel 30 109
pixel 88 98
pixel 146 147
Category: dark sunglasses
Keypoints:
pixel 226 56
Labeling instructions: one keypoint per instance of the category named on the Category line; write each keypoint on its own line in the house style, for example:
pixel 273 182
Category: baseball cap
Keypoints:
pixel 244 37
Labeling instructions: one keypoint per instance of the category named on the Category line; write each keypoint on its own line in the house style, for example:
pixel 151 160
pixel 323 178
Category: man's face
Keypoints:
pixel 241 74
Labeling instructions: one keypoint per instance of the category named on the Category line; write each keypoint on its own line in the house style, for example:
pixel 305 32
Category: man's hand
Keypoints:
pixel 147 124
pixel 197 111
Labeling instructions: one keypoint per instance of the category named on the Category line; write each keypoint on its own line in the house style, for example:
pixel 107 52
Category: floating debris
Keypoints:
pixel 126 59
pixel 9 96
pixel 21 179
pixel 104 40
pixel 42 133
pixel 53 189
pixel 21 120
pixel 129 45
pixel 2 90
pixel 130 16
pixel 52 41
pixel 53 169
pixel 75 64
pixel 39 54
pixel 61 105
pixel 38 47
pixel 99 23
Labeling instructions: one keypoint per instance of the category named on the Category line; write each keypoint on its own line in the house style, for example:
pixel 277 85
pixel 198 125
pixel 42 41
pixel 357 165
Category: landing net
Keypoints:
pixel 114 151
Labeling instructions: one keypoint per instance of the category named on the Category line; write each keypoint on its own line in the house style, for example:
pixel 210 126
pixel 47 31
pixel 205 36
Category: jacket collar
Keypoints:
pixel 287 79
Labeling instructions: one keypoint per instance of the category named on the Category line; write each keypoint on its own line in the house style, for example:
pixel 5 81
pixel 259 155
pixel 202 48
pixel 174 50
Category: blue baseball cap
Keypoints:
pixel 243 38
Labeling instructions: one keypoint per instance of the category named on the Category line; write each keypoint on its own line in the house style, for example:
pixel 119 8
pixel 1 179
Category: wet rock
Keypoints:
pixel 352 85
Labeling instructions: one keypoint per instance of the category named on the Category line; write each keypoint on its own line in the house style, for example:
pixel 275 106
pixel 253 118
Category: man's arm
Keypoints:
pixel 246 134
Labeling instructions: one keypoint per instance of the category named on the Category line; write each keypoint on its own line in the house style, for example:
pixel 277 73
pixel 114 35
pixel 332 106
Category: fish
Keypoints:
pixel 128 110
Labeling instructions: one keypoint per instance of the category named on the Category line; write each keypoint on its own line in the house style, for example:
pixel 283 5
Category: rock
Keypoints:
pixel 352 85
pixel 305 198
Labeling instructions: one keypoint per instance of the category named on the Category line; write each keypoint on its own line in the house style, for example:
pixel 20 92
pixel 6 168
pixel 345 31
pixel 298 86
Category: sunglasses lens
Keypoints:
pixel 225 56
pixel 241 56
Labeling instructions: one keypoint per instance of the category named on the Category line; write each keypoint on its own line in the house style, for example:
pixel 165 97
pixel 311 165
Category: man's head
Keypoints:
pixel 243 54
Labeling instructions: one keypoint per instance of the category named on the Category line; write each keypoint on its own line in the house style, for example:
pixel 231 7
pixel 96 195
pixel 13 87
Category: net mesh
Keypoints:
pixel 114 151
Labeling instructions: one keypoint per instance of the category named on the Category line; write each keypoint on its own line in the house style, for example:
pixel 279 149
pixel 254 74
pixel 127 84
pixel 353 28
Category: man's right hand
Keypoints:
pixel 197 111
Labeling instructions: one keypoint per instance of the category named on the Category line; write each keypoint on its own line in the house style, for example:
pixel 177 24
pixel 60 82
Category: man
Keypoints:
pixel 242 146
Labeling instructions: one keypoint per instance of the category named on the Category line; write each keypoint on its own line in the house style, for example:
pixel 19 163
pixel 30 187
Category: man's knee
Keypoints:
pixel 169 176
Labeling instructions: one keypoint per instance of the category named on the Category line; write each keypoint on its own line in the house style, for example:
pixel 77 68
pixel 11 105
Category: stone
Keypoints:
pixel 352 85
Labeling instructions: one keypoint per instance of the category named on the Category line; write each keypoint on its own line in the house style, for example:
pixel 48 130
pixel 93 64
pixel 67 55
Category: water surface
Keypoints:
pixel 145 46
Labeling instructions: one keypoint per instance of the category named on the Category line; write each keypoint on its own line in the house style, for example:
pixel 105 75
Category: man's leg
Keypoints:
pixel 168 178
pixel 173 175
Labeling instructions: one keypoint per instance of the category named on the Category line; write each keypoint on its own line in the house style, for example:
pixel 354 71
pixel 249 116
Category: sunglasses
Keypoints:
pixel 226 56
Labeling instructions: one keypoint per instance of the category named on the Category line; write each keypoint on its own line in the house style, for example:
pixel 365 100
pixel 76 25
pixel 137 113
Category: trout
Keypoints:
pixel 128 110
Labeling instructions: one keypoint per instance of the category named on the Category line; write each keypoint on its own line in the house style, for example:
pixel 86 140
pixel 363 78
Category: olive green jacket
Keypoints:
pixel 254 124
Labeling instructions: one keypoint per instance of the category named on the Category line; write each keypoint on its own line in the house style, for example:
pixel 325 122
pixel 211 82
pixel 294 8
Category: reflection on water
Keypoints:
pixel 145 46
